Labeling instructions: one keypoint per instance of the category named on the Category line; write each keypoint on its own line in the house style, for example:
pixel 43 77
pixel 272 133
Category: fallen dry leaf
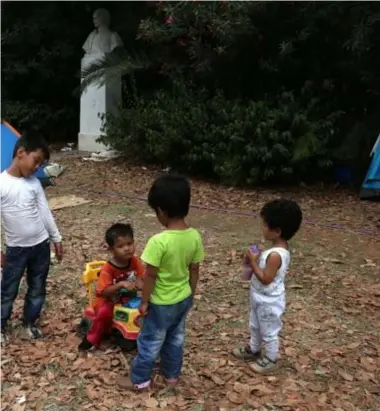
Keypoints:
pixel 151 402
pixel 261 389
pixel 235 398
pixel 368 363
pixel 345 375
pixel 217 380
pixel 322 295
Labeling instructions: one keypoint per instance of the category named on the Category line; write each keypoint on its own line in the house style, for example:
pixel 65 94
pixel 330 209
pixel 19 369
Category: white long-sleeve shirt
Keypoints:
pixel 25 214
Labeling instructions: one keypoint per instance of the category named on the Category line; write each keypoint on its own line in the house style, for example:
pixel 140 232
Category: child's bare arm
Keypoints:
pixel 149 281
pixel 272 265
pixel 194 277
pixel 115 288
pixel 139 283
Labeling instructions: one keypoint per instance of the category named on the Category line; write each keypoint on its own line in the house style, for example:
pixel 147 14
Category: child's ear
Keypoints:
pixel 20 152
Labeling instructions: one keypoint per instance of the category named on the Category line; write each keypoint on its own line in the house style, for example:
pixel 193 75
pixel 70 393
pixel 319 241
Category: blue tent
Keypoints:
pixel 9 137
pixel 371 184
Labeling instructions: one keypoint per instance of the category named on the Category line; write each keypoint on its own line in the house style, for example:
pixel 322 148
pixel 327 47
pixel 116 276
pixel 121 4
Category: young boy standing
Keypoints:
pixel 29 226
pixel 172 260
pixel 124 270
pixel 281 219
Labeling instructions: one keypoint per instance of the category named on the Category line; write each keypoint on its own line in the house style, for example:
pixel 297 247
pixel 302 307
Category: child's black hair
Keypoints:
pixel 32 143
pixel 171 194
pixel 284 215
pixel 118 230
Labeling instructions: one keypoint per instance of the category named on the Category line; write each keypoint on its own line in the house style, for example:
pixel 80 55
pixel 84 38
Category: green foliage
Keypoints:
pixel 240 143
pixel 41 52
pixel 113 66
pixel 245 91
pixel 279 90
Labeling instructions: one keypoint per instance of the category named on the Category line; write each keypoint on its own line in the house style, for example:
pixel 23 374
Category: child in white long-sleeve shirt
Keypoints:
pixel 29 226
pixel 281 219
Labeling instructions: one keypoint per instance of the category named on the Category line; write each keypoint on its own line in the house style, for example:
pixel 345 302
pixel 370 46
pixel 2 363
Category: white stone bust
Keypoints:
pixel 102 39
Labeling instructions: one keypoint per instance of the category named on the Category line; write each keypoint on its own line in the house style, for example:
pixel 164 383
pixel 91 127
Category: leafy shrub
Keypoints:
pixel 241 142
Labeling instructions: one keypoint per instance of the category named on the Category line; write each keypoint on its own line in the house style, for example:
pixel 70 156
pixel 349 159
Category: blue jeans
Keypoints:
pixel 162 335
pixel 36 261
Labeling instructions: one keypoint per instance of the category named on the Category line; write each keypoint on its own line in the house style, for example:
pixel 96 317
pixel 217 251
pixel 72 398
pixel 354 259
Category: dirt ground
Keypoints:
pixel 330 344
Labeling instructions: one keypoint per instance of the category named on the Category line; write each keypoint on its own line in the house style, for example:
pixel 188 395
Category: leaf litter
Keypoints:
pixel 330 343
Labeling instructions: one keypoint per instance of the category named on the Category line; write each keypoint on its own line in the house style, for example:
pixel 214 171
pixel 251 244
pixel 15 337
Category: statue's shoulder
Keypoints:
pixel 114 34
pixel 92 34
pixel 115 40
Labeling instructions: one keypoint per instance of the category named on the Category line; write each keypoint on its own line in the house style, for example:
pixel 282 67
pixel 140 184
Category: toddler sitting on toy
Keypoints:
pixel 123 271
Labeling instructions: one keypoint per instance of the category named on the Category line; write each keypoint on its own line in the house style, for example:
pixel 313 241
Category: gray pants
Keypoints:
pixel 265 323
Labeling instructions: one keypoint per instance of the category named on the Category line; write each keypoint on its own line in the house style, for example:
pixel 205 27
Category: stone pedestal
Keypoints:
pixel 94 102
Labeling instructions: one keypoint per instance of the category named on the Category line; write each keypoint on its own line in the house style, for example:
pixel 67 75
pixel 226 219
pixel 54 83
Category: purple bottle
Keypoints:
pixel 246 273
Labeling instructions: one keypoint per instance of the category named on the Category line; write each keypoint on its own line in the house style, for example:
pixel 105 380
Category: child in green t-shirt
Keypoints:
pixel 172 260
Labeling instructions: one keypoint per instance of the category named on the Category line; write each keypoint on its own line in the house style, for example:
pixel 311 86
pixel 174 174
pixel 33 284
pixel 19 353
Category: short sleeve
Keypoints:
pixel 199 253
pixel 153 252
pixel 105 280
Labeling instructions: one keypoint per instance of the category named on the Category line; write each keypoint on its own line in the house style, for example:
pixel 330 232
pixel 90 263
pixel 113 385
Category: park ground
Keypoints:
pixel 331 337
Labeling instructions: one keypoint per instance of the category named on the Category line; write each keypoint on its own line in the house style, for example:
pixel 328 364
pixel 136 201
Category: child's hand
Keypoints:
pixel 252 256
pixel 143 308
pixel 58 248
pixel 128 285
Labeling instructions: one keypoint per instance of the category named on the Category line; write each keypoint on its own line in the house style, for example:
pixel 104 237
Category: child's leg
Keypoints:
pixel 172 349
pixel 149 344
pixel 254 326
pixel 101 323
pixel 36 275
pixel 15 263
pixel 251 352
pixel 269 314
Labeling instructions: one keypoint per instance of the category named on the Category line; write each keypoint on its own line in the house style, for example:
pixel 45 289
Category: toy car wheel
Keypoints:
pixel 123 343
pixel 83 327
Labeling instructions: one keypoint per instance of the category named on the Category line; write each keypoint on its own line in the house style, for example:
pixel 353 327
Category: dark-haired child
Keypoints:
pixel 281 219
pixel 172 258
pixel 29 226
pixel 124 270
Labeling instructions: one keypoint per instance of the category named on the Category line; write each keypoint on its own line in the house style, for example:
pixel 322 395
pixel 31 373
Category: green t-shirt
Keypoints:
pixel 172 251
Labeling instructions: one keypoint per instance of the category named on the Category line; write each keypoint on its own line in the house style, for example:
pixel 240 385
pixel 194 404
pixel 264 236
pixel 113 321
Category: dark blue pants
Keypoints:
pixel 162 335
pixel 36 261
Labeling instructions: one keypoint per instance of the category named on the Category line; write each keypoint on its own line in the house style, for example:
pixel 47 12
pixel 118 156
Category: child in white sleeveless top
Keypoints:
pixel 281 219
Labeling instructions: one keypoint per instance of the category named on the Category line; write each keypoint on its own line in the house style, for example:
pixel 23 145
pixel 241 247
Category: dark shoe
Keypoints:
pixel 245 353
pixel 32 332
pixel 85 345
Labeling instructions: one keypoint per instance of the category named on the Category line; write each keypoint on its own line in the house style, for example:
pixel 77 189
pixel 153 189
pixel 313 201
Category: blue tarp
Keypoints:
pixel 371 183
pixel 9 137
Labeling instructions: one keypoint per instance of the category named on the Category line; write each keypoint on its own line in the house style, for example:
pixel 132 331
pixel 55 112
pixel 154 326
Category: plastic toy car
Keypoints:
pixel 127 319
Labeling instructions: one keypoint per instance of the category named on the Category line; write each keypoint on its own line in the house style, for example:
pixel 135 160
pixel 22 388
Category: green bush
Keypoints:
pixel 240 142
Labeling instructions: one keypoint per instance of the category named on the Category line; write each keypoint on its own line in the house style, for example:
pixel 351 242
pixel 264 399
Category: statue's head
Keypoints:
pixel 101 18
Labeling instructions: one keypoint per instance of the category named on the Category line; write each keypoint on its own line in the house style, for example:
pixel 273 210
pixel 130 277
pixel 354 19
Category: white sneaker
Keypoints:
pixel 3 338
pixel 32 332
pixel 264 365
